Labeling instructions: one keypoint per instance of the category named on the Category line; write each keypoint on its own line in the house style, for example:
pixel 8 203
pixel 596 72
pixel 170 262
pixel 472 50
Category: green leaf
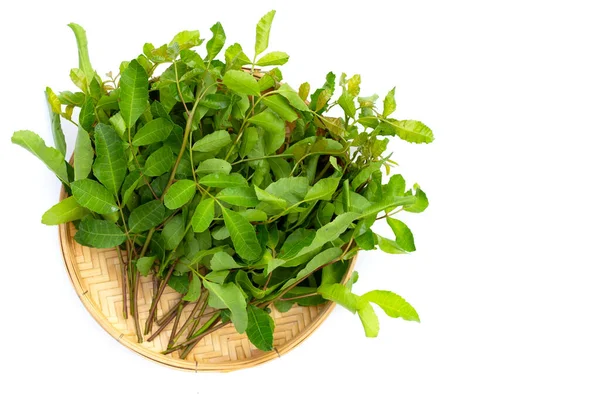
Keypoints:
pixel 324 257
pixel 204 215
pixel 173 232
pixel 193 293
pixel 144 264
pixel 235 57
pixel 293 189
pixel 296 241
pixel 87 115
pixel 215 101
pixel 364 175
pixel 214 165
pixel 341 295
pixel 159 162
pixel 330 231
pixel 186 40
pixel 253 215
pixel 273 58
pixel 71 99
pixel 118 123
pixel 396 187
pixel 133 97
pixel 241 82
pixel 409 130
pixel 280 167
pixel 239 196
pixel 53 158
pixel 199 256
pixel 93 196
pixel 83 156
pixel 368 318
pixel 333 273
pixel 393 305
pixel 232 297
pixel 110 166
pixel 280 106
pixel 346 101
pixel 389 103
pixel 55 110
pixel 421 202
pixel 220 233
pixel 356 203
pixel 243 235
pixel 216 43
pixel 389 246
pixel 366 241
pixel 323 189
pixel 180 193
pixel 146 216
pixel 274 130
pixel 387 203
pixel 354 85
pixel 217 277
pixel 304 90
pixel 82 48
pixel 180 283
pixel 260 328
pixel 99 233
pixel 66 211
pixel 270 199
pixel 283 306
pixel 241 278
pixel 220 180
pixel 318 261
pixel 293 97
pixel 404 236
pixel 79 79
pixel 263 30
pixel 154 131
pixel 212 142
pixel 130 184
pixel 249 141
pixel 223 261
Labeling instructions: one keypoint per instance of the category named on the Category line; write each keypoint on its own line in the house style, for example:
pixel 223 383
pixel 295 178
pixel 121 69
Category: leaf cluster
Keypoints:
pixel 228 184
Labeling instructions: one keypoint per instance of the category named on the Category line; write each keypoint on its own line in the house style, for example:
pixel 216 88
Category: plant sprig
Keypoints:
pixel 228 185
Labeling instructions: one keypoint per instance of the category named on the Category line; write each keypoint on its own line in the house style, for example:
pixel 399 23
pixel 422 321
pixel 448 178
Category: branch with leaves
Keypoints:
pixel 228 185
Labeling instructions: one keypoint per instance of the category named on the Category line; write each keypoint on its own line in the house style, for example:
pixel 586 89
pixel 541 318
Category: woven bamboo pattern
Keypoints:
pixel 96 276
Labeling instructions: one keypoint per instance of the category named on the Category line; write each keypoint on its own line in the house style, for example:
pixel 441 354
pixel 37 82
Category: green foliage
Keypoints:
pixel 245 188
pixel 83 156
pixel 66 211
pixel 260 328
pixel 93 196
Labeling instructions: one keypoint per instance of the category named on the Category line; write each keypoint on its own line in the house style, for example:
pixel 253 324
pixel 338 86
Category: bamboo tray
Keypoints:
pixel 96 277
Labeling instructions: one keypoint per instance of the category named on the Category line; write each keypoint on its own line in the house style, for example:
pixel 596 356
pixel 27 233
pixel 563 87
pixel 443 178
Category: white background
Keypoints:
pixel 506 273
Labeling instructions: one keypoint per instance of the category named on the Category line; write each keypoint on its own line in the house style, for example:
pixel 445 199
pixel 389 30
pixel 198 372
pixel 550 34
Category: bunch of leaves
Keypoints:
pixel 230 186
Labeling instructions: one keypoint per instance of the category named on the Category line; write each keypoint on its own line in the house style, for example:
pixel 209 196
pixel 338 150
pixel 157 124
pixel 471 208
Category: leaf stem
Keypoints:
pixel 136 316
pixel 191 319
pixel 262 158
pixel 202 332
pixel 179 89
pixel 125 279
pixel 299 297
pixel 175 324
pixel 161 320
pixel 161 327
pixel 186 134
pixel 161 289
